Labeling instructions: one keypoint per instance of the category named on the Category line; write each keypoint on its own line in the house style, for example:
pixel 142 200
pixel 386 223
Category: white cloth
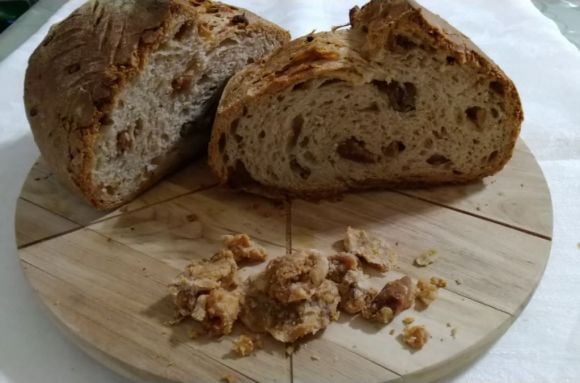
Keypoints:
pixel 544 343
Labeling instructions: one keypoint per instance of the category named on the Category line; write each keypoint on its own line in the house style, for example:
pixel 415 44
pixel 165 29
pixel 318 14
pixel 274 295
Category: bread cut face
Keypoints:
pixel 122 92
pixel 399 99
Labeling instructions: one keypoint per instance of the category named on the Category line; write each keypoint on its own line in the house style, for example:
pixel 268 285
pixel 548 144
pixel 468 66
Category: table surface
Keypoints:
pixel 544 343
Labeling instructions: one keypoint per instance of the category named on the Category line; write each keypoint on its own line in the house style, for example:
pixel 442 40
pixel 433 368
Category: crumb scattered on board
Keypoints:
pixel 458 281
pixel 314 357
pixel 243 345
pixel 229 378
pixel 415 336
pixel 210 292
pixel 453 332
pixel 427 258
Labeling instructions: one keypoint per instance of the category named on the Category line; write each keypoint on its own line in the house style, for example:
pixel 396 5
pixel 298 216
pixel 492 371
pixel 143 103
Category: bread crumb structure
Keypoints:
pixel 372 250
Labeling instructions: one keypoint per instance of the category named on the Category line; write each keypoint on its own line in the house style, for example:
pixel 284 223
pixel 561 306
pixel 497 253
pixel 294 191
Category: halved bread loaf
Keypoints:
pixel 401 98
pixel 123 91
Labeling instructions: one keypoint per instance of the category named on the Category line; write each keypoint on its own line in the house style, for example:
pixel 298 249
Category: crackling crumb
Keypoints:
pixel 244 345
pixel 407 321
pixel 426 259
pixel 415 336
pixel 439 282
pixel 229 378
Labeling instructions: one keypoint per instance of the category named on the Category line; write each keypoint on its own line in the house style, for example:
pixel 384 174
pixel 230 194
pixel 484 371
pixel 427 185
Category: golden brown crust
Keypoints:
pixel 75 75
pixel 331 54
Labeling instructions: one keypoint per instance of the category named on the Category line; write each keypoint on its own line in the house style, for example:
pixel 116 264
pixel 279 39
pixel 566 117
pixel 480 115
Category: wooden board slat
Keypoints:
pixel 518 196
pixel 106 280
pixel 34 223
pixel 43 189
pixel 482 254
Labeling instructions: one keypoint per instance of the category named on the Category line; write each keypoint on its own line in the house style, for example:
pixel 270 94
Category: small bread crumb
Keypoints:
pixel 392 332
pixel 426 258
pixel 458 281
pixel 407 321
pixel 426 292
pixel 229 378
pixel 439 282
pixel 244 345
pixel 314 357
pixel 448 324
pixel 415 336
pixel 453 332
pixel 289 349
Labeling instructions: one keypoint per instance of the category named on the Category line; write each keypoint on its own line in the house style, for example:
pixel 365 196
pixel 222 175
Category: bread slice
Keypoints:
pixel 401 98
pixel 123 91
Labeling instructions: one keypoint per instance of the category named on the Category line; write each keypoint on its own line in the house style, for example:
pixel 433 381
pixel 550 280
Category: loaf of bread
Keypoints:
pixel 401 98
pixel 123 91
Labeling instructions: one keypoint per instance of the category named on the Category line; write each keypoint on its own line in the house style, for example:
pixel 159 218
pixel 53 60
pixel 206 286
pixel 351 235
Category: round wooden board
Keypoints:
pixel 104 276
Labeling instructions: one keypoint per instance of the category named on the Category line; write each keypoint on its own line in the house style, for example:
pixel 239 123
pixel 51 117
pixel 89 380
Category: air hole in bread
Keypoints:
pixel 105 120
pixel 494 113
pixel 33 112
pixel 373 107
pixel 393 149
pixel 305 85
pixel 229 42
pixel 308 156
pixel 239 176
pixel 457 172
pixel 401 96
pixel 497 87
pixel 222 142
pixel 296 125
pixel 234 126
pixel 404 42
pixel 302 171
pixel 437 159
pixel 428 143
pixel 110 190
pixel 138 128
pixel 355 150
pixel 186 129
pixel 165 137
pixel 492 156
pixel 305 141
pixel 280 97
pixel 73 68
pixel 331 81
pixel 262 135
pixel 124 142
pixel 476 115
pixel 184 31
pixel 451 60
pixel 250 60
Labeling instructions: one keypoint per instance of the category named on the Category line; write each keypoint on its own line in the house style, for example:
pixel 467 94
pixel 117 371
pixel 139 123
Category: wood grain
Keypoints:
pixel 105 278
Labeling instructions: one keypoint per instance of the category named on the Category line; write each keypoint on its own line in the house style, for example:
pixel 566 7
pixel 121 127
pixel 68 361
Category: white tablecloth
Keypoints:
pixel 544 343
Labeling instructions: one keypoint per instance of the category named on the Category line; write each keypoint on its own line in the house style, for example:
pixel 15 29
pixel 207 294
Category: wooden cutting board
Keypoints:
pixel 103 276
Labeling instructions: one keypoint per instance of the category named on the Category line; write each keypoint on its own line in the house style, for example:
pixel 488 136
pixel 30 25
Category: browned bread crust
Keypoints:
pixel 352 56
pixel 76 75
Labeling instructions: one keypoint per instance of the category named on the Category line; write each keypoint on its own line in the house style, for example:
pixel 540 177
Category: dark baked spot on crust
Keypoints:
pixel 353 149
pixel 307 57
pixel 309 38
